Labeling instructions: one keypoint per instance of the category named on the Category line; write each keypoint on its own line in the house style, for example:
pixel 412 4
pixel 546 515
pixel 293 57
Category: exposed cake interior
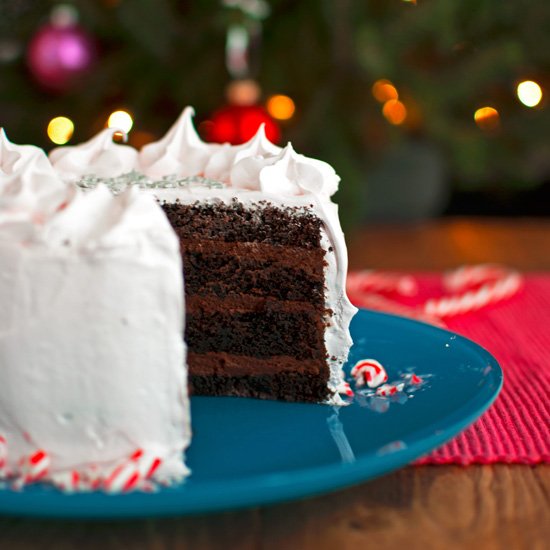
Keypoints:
pixel 255 299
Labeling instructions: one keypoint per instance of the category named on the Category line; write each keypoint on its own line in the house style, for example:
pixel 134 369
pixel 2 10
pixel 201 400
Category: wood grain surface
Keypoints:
pixel 448 507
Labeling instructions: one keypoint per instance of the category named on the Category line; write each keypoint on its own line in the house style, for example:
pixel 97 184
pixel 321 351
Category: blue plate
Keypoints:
pixel 247 452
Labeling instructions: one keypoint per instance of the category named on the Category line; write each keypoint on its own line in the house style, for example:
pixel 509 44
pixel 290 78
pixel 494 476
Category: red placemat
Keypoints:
pixel 516 330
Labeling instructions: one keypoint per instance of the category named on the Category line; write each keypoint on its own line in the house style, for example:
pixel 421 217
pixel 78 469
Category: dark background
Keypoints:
pixel 445 59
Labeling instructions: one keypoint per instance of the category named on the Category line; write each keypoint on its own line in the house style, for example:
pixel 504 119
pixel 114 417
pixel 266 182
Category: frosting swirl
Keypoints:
pixel 288 173
pixel 180 152
pixel 30 190
pixel 222 161
pixel 100 156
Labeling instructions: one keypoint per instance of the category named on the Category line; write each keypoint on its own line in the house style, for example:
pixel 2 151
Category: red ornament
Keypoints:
pixel 236 124
pixel 59 55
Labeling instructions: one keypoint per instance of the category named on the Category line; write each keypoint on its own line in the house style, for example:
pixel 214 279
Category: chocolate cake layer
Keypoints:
pixel 287 386
pixel 276 328
pixel 222 269
pixel 236 223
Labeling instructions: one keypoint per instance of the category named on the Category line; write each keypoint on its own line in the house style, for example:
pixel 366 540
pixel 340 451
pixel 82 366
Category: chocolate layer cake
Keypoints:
pixel 255 302
pixel 264 257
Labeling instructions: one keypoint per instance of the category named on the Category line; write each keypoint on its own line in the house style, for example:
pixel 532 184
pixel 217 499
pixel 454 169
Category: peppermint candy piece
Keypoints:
pixel 390 389
pixel 133 473
pixel 3 457
pixel 369 372
pixel 345 389
pixel 34 467
pixel 70 481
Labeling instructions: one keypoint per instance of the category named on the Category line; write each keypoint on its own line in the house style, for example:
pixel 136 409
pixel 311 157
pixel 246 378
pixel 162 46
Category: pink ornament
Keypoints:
pixel 59 55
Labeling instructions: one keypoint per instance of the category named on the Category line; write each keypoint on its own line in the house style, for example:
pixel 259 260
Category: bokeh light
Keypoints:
pixel 60 130
pixel 487 118
pixel 281 107
pixel 121 120
pixel 243 92
pixel 394 111
pixel 529 93
pixel 383 90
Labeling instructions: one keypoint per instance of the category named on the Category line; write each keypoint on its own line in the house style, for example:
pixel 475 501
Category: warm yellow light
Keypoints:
pixel 243 92
pixel 394 111
pixel 487 118
pixel 121 120
pixel 383 90
pixel 529 93
pixel 281 107
pixel 60 129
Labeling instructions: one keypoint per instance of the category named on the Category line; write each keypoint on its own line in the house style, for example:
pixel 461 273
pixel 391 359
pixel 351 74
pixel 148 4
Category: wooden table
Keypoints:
pixel 447 507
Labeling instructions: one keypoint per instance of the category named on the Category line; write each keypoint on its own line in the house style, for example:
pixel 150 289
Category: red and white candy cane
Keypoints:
pixel 132 473
pixel 390 389
pixel 369 372
pixel 383 281
pixel 35 466
pixel 3 457
pixel 69 481
pixel 468 276
pixel 497 285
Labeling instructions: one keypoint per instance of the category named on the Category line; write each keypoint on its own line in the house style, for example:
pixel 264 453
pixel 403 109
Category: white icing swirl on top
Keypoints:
pixel 288 173
pixel 180 152
pixel 221 162
pixel 100 156
pixel 30 190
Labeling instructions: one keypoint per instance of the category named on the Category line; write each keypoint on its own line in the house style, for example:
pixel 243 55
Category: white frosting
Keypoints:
pixel 91 354
pixel 100 156
pixel 180 151
pixel 30 190
pixel 222 161
pixel 288 173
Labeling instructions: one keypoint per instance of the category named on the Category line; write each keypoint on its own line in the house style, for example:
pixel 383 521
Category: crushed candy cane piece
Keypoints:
pixel 345 389
pixel 369 372
pixel 35 467
pixel 132 473
pixel 70 481
pixel 390 389
pixel 3 457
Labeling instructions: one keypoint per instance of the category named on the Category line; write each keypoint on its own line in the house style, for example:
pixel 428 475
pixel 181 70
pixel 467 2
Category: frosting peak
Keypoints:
pixel 30 190
pixel 100 155
pixel 222 161
pixel 180 151
pixel 288 173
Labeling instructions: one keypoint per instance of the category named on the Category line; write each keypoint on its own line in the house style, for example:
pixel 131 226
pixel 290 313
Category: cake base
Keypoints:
pixel 285 386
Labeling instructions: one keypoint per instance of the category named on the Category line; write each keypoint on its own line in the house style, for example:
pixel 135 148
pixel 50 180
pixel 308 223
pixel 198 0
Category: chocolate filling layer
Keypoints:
pixel 226 364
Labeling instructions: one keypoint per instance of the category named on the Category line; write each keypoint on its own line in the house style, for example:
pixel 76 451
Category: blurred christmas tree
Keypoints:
pixel 393 93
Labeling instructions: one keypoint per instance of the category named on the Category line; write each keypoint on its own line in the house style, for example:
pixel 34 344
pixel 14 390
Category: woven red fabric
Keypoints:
pixel 516 429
